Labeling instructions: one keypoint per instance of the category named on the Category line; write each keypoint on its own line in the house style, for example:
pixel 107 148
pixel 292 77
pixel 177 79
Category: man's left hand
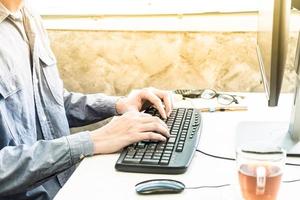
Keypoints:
pixel 160 99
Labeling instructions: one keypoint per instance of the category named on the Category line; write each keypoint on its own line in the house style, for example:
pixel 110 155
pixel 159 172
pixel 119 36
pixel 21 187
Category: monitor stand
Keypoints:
pixel 268 133
pixel 283 134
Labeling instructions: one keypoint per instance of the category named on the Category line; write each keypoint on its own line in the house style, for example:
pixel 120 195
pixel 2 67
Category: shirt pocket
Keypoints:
pixel 9 104
pixel 8 86
pixel 52 78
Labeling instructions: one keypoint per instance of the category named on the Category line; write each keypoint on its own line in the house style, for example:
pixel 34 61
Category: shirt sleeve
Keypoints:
pixel 24 166
pixel 87 109
pixel 81 145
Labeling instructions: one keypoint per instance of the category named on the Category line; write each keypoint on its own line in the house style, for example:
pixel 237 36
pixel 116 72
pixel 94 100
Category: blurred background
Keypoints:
pixel 113 46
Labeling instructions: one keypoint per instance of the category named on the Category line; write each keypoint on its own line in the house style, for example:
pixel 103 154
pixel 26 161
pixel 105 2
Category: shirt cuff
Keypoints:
pixel 81 146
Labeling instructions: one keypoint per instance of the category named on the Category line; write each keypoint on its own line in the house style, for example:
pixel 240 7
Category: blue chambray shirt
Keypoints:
pixel 33 102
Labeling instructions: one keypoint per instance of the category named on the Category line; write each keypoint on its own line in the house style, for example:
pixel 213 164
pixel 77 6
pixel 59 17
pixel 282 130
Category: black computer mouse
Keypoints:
pixel 159 186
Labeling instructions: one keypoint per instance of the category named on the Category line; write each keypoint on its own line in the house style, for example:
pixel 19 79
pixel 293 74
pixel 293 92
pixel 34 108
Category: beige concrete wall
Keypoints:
pixel 116 62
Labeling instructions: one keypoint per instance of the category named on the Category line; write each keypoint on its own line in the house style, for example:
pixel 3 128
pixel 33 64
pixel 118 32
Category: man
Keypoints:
pixel 37 153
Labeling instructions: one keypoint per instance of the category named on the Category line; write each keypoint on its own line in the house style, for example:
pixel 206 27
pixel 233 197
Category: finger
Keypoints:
pixel 150 136
pixel 152 119
pixel 137 114
pixel 166 97
pixel 145 115
pixel 156 101
pixel 145 118
pixel 155 127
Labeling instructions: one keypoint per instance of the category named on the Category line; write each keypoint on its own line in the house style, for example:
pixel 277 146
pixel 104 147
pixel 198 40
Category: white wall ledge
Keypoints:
pixel 230 22
pixel 140 7
pixel 220 22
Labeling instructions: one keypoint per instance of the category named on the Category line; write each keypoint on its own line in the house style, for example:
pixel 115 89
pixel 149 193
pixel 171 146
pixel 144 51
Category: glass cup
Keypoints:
pixel 260 169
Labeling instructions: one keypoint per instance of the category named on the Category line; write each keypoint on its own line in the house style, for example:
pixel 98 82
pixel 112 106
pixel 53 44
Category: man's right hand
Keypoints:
pixel 129 128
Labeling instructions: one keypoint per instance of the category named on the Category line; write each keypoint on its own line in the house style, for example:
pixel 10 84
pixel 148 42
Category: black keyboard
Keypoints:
pixel 170 157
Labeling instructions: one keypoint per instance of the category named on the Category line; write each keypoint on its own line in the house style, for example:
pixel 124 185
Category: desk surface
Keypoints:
pixel 97 178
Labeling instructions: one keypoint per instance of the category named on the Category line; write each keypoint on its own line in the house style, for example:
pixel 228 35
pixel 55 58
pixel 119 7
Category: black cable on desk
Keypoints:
pixel 233 159
pixel 214 156
pixel 293 164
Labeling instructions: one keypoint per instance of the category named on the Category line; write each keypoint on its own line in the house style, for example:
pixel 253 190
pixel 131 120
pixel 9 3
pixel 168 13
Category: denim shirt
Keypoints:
pixel 32 99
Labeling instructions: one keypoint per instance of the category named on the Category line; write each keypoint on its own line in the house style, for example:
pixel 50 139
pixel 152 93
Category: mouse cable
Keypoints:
pixel 226 185
pixel 207 186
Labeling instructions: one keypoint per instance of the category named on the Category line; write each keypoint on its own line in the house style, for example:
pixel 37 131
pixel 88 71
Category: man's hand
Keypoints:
pixel 160 99
pixel 129 128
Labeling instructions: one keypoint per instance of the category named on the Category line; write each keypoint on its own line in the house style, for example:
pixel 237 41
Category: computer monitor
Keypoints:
pixel 272 45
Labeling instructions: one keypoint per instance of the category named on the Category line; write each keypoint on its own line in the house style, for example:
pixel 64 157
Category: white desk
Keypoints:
pixel 96 177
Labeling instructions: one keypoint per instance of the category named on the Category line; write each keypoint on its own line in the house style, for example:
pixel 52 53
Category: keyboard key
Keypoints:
pixel 171 140
pixel 152 145
pixel 131 160
pixel 170 144
pixel 155 157
pixel 164 162
pixel 173 133
pixel 138 157
pixel 140 145
pixel 167 151
pixel 139 154
pixel 166 156
pixel 147 156
pixel 150 161
pixel 158 151
pixel 169 148
pixel 130 154
pixel 179 149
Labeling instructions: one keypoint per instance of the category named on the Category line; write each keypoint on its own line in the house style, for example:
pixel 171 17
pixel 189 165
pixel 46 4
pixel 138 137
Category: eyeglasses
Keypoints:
pixel 222 98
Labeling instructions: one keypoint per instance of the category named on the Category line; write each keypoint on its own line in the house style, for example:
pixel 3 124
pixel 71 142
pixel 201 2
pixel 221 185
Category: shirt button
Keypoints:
pixel 44 118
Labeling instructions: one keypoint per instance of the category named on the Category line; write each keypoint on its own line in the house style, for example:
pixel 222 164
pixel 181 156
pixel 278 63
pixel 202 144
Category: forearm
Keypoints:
pixel 86 109
pixel 23 166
